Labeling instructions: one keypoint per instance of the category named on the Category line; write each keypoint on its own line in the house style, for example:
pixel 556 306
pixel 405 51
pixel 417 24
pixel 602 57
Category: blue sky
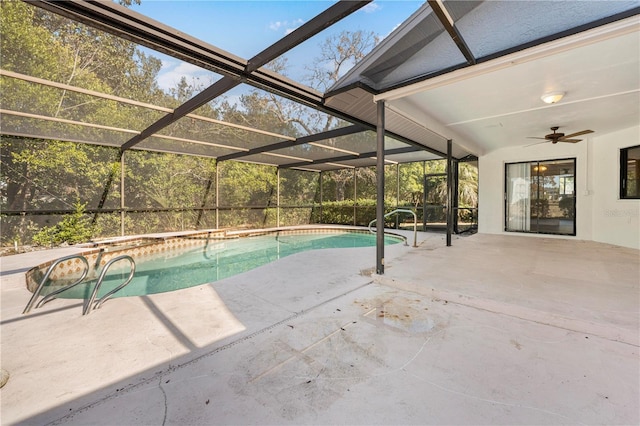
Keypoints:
pixel 244 28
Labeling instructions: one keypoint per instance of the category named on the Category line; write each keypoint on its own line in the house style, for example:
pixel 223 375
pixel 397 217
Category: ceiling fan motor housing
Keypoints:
pixel 553 137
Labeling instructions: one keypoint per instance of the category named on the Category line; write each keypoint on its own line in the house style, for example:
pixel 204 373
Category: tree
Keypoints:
pixel 339 53
pixel 468 185
pixel 47 174
pixel 43 174
pixel 74 228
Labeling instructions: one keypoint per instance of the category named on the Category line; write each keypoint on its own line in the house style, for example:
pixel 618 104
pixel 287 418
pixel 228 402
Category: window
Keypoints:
pixel 540 197
pixel 630 172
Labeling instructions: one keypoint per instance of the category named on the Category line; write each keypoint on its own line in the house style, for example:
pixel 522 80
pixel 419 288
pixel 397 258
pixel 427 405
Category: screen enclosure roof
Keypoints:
pixel 439 38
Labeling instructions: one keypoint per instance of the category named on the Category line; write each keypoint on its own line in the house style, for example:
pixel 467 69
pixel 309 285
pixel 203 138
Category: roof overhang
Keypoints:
pixel 495 103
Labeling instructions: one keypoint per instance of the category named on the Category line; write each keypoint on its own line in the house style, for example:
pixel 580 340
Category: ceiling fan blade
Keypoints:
pixel 534 137
pixel 537 143
pixel 569 140
pixel 583 132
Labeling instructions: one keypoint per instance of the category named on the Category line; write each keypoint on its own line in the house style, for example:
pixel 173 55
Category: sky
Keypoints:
pixel 244 28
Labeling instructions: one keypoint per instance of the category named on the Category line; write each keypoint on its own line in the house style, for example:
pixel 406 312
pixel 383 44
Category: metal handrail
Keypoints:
pixel 415 223
pixel 52 295
pixel 87 307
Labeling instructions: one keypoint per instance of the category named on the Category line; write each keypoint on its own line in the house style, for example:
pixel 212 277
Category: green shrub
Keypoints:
pixel 74 228
pixel 341 212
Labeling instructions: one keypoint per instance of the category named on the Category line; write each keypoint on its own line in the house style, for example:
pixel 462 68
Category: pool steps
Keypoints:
pixel 46 276
pixel 90 303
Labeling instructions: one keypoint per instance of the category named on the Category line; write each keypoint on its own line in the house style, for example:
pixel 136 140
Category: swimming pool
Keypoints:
pixel 211 260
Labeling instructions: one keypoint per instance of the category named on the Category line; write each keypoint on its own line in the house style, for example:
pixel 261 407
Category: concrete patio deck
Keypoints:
pixel 493 330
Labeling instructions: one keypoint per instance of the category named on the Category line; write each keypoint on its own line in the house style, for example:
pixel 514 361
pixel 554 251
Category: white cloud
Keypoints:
pixel 186 68
pixel 275 26
pixel 371 8
pixel 294 26
pixel 172 72
pixel 166 64
pixel 289 26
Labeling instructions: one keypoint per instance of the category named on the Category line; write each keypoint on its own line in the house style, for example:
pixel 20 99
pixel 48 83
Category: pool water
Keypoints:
pixel 215 260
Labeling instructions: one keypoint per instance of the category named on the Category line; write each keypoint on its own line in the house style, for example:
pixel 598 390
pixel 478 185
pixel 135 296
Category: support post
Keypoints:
pixel 278 198
pixel 398 185
pixel 321 195
pixel 122 199
pixel 217 197
pixel 380 189
pixel 449 192
pixel 397 194
pixel 456 181
pixel 424 196
pixel 355 196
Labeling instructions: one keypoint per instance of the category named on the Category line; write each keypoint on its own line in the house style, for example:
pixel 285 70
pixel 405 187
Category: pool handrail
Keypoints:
pixel 45 278
pixel 415 223
pixel 87 307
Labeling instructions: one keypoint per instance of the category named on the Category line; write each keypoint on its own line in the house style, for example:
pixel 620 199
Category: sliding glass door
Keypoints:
pixel 540 197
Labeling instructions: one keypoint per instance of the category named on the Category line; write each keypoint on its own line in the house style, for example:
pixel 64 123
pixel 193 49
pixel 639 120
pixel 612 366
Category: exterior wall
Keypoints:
pixel 615 221
pixel 600 216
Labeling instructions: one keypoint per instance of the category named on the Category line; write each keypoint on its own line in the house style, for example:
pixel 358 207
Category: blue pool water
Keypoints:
pixel 215 260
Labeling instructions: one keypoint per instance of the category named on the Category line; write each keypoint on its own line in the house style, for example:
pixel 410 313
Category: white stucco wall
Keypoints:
pixel 600 215
pixel 615 221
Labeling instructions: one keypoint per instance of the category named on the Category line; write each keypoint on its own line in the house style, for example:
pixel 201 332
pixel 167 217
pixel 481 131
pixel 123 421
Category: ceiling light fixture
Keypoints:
pixel 552 97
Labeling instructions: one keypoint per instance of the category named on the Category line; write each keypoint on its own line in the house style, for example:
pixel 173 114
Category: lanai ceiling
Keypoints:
pixel 470 71
pixel 485 92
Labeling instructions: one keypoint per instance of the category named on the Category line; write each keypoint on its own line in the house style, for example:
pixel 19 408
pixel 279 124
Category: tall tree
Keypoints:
pixel 337 54
pixel 48 174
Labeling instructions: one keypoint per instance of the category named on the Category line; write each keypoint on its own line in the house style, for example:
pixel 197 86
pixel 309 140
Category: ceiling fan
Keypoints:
pixel 561 137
